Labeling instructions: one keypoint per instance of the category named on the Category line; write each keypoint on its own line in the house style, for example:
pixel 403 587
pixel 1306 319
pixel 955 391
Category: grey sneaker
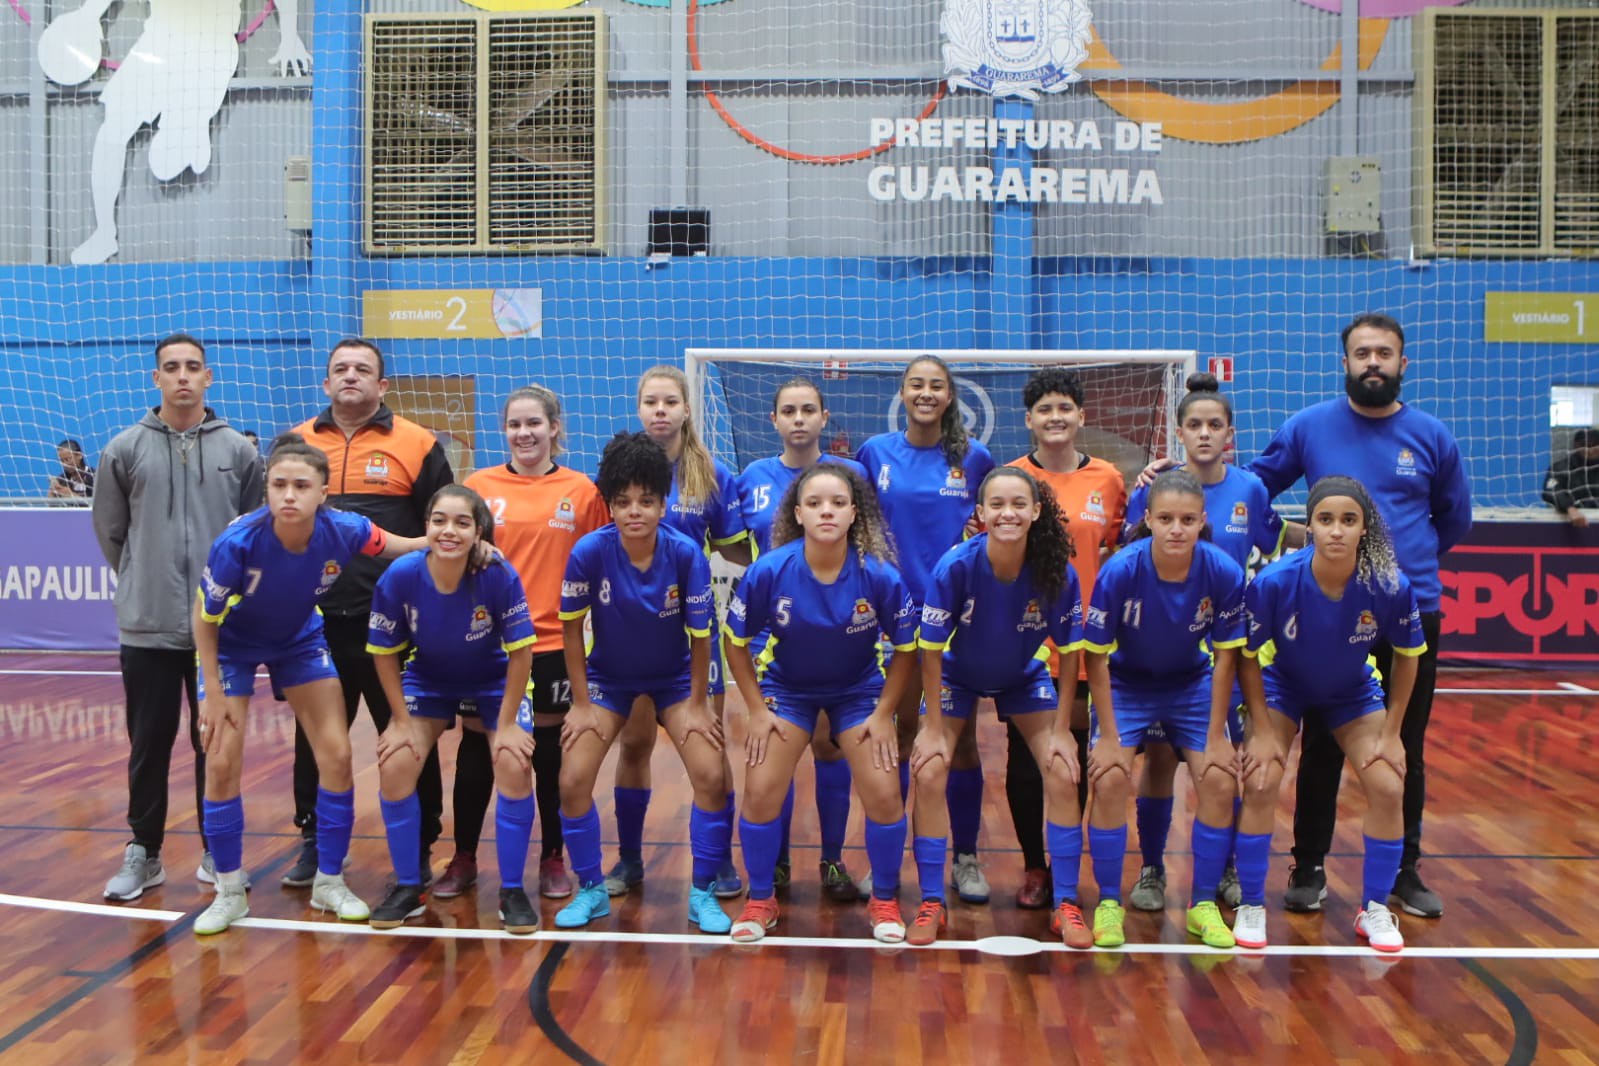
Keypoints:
pixel 206 872
pixel 1229 891
pixel 1149 894
pixel 139 872
pixel 1415 897
pixel 230 905
pixel 330 893
pixel 1307 887
pixel 966 878
pixel 303 872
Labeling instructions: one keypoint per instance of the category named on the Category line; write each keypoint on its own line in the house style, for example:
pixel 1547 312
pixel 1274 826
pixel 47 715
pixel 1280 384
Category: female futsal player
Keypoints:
pixel 927 477
pixel 703 505
pixel 257 604
pixel 824 593
pixel 540 510
pixel 1092 497
pixel 1157 603
pixel 469 641
pixel 800 415
pixel 647 588
pixel 991 603
pixel 1240 518
pixel 1318 613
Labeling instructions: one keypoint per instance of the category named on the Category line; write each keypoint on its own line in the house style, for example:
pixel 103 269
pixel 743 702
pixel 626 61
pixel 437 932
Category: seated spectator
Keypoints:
pixel 76 480
pixel 1573 482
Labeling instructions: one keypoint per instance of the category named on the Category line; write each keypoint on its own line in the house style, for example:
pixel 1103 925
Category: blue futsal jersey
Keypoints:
pixel 988 630
pixel 1154 630
pixel 1238 510
pixel 1316 648
pixel 823 639
pixel 1408 461
pixel 263 596
pixel 642 618
pixel 707 522
pixel 461 638
pixel 925 500
pixel 761 487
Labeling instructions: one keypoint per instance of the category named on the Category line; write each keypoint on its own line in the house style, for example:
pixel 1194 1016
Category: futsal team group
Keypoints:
pixel 885 595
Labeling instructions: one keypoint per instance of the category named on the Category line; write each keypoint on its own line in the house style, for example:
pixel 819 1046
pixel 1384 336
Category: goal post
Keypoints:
pixel 1130 397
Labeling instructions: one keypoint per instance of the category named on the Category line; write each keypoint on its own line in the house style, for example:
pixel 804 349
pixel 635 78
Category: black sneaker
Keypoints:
pixel 1307 887
pixel 1415 897
pixel 517 912
pixel 837 884
pixel 402 902
pixel 303 872
pixel 782 876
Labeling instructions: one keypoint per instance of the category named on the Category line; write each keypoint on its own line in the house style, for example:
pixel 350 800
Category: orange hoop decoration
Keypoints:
pixel 1249 120
pixel 767 146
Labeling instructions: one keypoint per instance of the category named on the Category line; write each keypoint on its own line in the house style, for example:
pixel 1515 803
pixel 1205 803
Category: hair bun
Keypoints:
pixel 1201 381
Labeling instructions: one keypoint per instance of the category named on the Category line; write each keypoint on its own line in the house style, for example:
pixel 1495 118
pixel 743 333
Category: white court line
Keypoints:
pixel 73 907
pixel 1572 686
pixel 993 945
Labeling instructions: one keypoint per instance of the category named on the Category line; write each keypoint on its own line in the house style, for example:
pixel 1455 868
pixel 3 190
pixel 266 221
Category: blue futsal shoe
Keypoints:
pixel 589 903
pixel 705 911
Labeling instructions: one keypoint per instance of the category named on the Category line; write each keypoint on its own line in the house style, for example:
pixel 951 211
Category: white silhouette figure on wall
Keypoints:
pixel 175 78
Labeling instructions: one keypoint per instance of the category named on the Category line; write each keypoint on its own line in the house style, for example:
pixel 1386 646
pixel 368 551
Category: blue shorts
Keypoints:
pixel 301 664
pixel 1184 713
pixel 1336 712
pixel 1034 691
pixel 717 683
pixel 1235 722
pixel 618 699
pixel 485 707
pixel 844 712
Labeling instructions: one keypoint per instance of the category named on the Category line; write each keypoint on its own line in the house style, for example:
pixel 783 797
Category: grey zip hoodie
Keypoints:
pixel 160 500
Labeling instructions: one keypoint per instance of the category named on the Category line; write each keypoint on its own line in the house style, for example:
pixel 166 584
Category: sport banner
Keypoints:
pixel 55 587
pixel 1522 593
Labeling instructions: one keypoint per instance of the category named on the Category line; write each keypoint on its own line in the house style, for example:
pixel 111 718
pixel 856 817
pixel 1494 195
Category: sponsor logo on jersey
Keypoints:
pixel 674 601
pixel 565 515
pixel 382 623
pixel 213 591
pixel 1239 522
pixel 330 573
pixel 1097 616
pixel 377 467
pixel 1096 502
pixel 1365 628
pixel 736 607
pixel 1032 617
pixel 481 625
pixel 935 616
pixel 1204 615
pixel 1406 463
pixel 573 590
pixel 954 483
pixel 862 618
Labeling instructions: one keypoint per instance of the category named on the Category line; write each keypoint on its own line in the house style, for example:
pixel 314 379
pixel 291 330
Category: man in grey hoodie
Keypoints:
pixel 167 486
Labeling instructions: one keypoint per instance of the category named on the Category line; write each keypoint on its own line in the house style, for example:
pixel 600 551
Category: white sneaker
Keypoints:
pixel 230 905
pixel 206 872
pixel 966 878
pixel 1377 926
pixel 1249 926
pixel 330 893
pixel 139 871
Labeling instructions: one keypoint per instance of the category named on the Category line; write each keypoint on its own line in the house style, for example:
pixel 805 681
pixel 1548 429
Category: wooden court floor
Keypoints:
pixel 1511 973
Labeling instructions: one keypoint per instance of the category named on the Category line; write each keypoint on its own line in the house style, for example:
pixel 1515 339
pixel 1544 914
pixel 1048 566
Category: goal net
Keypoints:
pixel 1130 397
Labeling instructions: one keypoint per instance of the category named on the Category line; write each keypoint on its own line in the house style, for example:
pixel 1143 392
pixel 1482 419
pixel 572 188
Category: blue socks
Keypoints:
pixel 885 850
pixel 583 845
pixel 224 830
pixel 1252 851
pixel 513 830
pixel 930 853
pixel 964 794
pixel 1211 846
pixel 710 839
pixel 1380 869
pixel 786 818
pixel 402 821
pixel 335 816
pixel 1109 850
pixel 1065 843
pixel 832 807
pixel 1154 823
pixel 760 841
pixel 631 806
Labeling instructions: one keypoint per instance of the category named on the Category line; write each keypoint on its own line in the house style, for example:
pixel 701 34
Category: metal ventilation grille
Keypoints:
pixel 1486 150
pixel 485 133
pixel 1576 147
pixel 422 105
pixel 543 132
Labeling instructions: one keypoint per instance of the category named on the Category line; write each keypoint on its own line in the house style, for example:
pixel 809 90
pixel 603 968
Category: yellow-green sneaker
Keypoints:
pixel 1205 922
pixel 1108 917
